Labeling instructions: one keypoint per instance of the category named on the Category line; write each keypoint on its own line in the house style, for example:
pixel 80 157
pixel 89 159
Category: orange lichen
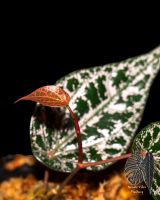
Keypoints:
pixel 18 161
pixel 114 188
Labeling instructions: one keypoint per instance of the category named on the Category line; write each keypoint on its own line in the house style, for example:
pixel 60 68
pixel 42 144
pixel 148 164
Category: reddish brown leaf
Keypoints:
pixel 52 96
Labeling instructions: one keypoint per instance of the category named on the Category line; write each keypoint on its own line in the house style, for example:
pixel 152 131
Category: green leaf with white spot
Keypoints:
pixel 108 101
pixel 149 140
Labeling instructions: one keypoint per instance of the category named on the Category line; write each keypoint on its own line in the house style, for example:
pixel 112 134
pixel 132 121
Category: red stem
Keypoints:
pixel 77 128
pixel 90 164
pixel 46 178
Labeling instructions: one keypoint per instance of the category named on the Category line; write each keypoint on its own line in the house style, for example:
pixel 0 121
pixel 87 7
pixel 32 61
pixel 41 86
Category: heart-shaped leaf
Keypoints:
pixel 148 140
pixel 108 101
pixel 52 96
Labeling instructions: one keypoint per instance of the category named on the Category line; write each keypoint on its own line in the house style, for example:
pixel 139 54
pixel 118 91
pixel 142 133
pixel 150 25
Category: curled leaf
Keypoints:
pixel 52 96
pixel 149 170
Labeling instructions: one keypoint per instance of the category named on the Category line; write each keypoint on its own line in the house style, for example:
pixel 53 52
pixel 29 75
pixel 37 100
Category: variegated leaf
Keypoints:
pixel 148 140
pixel 108 101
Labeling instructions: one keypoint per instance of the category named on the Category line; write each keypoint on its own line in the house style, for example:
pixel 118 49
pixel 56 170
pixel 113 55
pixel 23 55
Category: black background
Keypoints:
pixel 39 50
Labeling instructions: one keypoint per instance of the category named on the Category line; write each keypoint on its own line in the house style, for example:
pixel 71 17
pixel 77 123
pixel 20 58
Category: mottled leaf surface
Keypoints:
pixel 108 101
pixel 148 140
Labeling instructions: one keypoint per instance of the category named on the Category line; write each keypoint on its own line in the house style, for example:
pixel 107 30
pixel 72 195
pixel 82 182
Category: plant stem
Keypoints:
pixel 85 165
pixel 46 178
pixel 77 128
pixel 80 153
pixel 81 165
pixel 90 164
pixel 69 177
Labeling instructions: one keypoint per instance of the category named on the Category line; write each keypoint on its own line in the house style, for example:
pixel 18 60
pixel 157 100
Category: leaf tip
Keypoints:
pixel 20 99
